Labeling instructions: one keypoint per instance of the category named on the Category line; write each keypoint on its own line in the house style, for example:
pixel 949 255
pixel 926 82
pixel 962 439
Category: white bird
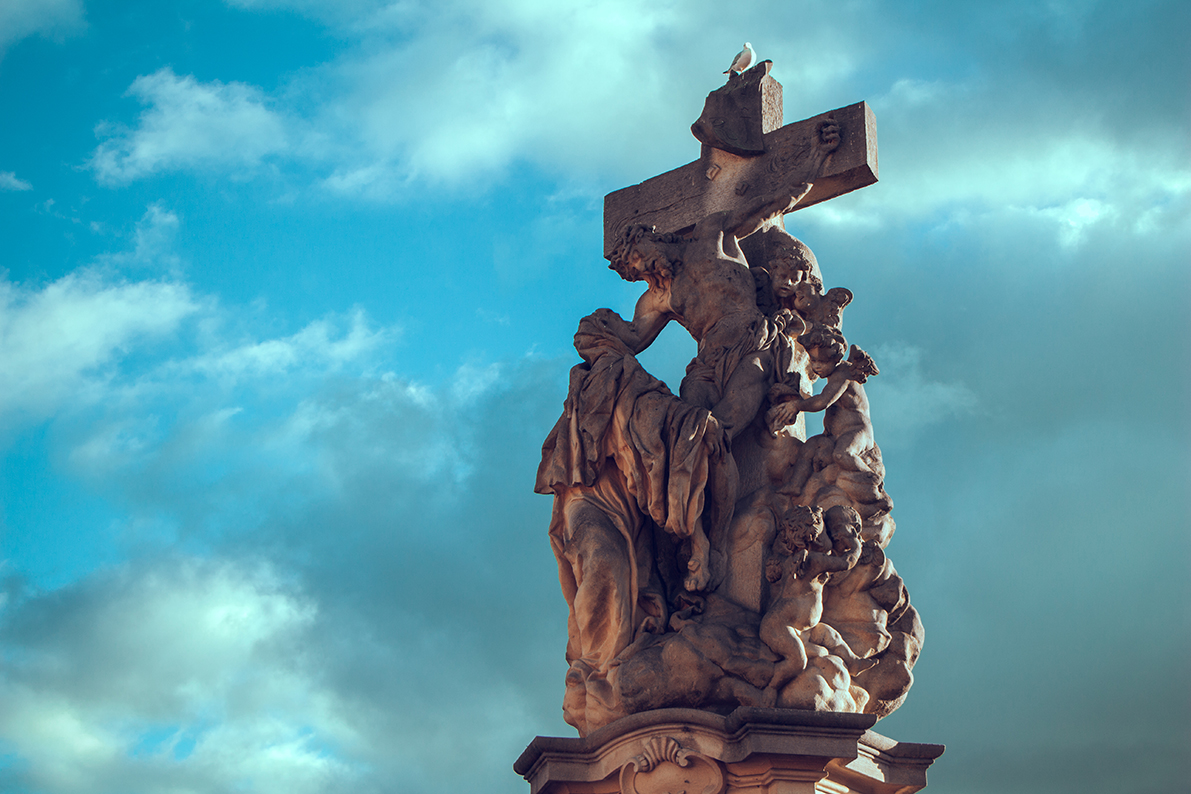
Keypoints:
pixel 744 59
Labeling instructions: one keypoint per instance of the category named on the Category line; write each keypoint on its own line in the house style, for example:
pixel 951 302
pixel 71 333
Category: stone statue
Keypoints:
pixel 710 554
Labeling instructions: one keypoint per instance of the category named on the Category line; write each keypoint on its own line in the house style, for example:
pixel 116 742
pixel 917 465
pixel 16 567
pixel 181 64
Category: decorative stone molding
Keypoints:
pixel 753 750
pixel 663 767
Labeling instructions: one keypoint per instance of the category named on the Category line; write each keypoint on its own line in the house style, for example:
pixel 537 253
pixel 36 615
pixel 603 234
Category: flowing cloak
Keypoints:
pixel 626 445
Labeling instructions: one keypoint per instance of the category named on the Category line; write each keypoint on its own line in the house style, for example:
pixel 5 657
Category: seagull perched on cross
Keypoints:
pixel 743 60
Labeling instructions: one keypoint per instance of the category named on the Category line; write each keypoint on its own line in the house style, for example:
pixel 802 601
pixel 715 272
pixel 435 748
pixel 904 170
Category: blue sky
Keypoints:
pixel 287 290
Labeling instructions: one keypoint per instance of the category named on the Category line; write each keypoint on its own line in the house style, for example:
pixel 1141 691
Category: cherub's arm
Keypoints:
pixel 819 562
pixel 837 384
pixel 649 318
pixel 850 551
pixel 784 398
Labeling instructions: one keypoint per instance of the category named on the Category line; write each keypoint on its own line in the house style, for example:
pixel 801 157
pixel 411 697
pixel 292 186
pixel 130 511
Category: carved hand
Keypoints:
pixel 829 135
pixel 780 416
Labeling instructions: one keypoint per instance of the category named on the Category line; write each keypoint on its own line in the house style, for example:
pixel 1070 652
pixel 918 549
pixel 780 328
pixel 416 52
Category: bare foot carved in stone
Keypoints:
pixel 699 576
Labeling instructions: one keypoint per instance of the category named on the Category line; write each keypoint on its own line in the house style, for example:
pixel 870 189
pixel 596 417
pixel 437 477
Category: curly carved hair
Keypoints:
pixel 633 234
pixel 800 526
pixel 826 339
pixel 797 253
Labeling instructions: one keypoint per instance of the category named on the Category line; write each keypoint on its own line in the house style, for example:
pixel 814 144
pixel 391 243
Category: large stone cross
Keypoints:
pixel 748 154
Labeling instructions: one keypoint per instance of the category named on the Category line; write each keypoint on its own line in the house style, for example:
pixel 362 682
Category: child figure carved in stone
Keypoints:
pixel 790 267
pixel 805 558
pixel 847 426
pixel 818 308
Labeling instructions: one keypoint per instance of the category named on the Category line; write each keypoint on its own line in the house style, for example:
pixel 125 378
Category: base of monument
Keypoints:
pixel 755 750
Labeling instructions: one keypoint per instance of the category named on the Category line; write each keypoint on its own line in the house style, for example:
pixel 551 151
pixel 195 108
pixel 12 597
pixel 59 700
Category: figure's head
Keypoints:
pixel 807 294
pixel 826 347
pixel 642 252
pixel 840 296
pixel 843 525
pixel 791 264
pixel 871 554
pixel 800 527
pixel 597 335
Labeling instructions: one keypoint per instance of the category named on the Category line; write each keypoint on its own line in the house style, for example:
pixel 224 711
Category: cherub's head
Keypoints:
pixel 642 253
pixel 826 347
pixel 844 526
pixel 799 527
pixel 871 554
pixel 791 264
pixel 808 294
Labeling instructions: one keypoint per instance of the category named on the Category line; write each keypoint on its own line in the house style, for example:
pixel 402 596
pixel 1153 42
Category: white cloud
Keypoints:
pixel 70 345
pixel 905 400
pixel 1074 217
pixel 153 241
pixel 943 166
pixel 208 676
pixel 455 95
pixel 485 85
pixel 55 342
pixel 62 342
pixel 460 93
pixel 52 18
pixel 9 181
pixel 316 345
pixel 189 674
pixel 191 125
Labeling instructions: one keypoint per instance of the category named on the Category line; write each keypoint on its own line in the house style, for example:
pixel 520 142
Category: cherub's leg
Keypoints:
pixel 829 638
pixel 805 464
pixel 848 448
pixel 864 488
pixel 795 661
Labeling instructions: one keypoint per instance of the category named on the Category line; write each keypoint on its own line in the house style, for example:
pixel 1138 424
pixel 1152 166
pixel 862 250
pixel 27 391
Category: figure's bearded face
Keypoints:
pixel 649 260
pixel 646 256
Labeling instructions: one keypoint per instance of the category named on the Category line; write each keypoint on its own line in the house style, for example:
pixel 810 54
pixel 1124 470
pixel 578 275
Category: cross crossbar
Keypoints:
pixel 719 180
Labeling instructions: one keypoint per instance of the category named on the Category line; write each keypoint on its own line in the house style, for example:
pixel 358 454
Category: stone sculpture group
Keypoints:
pixel 711 555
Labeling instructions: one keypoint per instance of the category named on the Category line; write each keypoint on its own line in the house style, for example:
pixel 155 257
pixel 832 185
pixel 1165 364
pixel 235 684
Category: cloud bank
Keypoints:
pixel 190 125
pixel 51 18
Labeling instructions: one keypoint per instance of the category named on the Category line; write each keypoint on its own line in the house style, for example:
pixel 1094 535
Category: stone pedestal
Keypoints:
pixel 760 751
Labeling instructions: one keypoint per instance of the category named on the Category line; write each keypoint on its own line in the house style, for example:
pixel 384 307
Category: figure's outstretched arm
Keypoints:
pixel 649 318
pixel 742 223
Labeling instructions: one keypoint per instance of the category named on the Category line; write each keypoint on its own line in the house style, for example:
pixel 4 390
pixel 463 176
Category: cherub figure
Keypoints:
pixel 789 267
pixel 818 308
pixel 805 558
pixel 847 425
